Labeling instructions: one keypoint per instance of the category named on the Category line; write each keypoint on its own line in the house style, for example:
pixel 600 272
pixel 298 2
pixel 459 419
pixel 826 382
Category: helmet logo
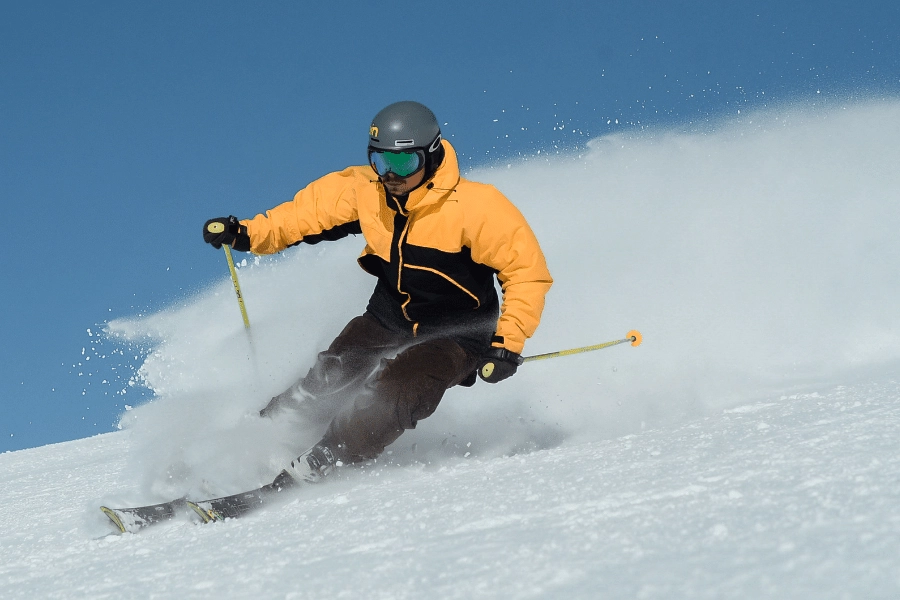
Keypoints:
pixel 373 131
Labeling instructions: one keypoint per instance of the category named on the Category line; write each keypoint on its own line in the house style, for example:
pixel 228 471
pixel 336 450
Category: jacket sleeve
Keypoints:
pixel 323 205
pixel 501 239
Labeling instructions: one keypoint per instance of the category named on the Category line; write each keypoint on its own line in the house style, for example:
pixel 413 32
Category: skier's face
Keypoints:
pixel 400 186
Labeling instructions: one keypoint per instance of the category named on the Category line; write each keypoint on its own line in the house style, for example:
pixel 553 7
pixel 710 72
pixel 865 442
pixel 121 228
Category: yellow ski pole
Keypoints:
pixel 237 286
pixel 632 336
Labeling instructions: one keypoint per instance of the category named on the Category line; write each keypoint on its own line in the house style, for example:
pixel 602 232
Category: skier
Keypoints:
pixel 435 242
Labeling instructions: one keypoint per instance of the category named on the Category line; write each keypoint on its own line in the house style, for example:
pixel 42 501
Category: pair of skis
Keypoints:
pixel 132 520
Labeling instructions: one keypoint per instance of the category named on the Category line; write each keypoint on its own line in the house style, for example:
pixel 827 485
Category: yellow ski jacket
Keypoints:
pixel 436 254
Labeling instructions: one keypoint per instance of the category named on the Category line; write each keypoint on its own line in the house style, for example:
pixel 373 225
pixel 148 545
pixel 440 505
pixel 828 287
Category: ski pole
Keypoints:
pixel 237 286
pixel 240 298
pixel 633 336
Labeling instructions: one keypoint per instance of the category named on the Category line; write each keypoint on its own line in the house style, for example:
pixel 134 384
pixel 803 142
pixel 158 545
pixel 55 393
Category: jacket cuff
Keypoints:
pixel 498 341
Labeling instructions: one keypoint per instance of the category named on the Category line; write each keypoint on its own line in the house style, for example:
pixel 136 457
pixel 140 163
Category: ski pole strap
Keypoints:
pixel 237 286
pixel 633 336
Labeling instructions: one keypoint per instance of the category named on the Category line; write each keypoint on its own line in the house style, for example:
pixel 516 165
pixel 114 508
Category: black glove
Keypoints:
pixel 226 230
pixel 497 364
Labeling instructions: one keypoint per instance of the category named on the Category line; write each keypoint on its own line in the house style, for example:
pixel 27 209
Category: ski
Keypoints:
pixel 132 520
pixel 236 505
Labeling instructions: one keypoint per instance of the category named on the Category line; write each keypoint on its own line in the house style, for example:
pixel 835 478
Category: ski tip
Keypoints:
pixel 109 512
pixel 635 336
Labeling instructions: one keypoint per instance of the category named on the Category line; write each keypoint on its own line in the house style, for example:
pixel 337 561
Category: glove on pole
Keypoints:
pixel 633 336
pixel 498 364
pixel 226 230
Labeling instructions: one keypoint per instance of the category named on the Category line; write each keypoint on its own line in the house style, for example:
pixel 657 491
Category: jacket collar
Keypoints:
pixel 440 186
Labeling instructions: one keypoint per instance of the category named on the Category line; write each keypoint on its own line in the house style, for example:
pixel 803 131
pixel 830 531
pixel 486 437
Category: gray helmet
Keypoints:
pixel 403 126
pixel 408 126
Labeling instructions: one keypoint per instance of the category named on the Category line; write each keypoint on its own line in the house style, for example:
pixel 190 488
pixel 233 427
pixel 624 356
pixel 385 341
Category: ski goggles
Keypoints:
pixel 401 164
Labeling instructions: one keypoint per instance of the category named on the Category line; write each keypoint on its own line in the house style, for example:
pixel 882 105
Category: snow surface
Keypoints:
pixel 748 449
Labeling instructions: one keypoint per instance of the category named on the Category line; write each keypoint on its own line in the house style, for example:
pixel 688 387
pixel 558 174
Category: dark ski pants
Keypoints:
pixel 374 383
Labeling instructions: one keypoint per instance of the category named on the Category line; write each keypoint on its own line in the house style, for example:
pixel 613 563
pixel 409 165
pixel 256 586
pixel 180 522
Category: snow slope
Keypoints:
pixel 793 497
pixel 746 449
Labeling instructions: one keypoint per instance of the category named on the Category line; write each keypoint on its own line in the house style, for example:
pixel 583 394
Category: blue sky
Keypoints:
pixel 125 125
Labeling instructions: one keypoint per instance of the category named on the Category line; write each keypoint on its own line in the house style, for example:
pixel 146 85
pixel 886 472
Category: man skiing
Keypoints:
pixel 435 242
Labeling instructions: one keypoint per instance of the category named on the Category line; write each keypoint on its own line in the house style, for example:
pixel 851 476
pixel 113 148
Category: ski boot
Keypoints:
pixel 312 466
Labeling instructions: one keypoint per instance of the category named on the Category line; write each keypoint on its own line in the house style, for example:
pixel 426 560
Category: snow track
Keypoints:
pixel 791 497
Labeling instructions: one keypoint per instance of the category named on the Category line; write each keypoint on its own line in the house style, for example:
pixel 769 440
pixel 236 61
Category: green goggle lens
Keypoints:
pixel 402 164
